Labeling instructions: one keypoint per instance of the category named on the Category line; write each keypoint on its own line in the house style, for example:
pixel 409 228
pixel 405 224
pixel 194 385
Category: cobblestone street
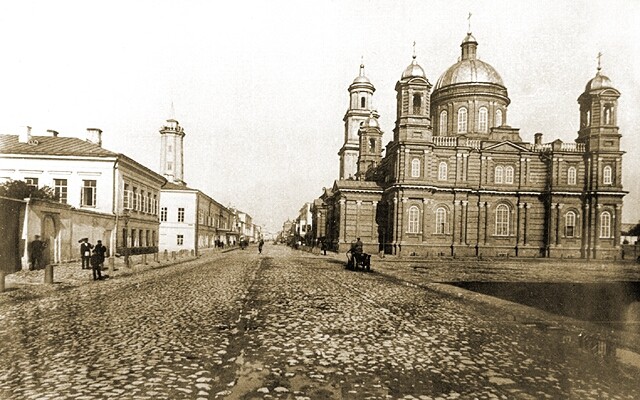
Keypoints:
pixel 286 324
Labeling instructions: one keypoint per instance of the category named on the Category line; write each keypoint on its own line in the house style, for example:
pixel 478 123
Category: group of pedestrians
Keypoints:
pixel 93 256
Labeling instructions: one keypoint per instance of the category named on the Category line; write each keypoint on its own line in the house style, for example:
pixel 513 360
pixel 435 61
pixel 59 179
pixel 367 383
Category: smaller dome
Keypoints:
pixel 371 122
pixel 361 79
pixel 414 71
pixel 598 82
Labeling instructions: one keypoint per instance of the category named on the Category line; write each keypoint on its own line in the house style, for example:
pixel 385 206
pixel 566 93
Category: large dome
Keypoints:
pixel 469 69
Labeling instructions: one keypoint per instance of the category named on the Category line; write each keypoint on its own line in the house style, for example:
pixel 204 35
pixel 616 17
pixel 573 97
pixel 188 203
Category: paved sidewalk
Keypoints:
pixel 26 284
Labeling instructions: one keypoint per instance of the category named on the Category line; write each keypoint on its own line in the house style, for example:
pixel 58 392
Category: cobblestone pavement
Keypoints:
pixel 285 325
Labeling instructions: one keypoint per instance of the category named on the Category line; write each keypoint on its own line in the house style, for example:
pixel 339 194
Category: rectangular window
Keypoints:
pixel 180 241
pixel 60 190
pixel 32 182
pixel 180 214
pixel 88 193
pixel 127 198
pixel 134 197
pixel 163 214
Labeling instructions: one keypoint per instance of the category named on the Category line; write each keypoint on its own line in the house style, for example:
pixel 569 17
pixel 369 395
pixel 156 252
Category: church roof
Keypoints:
pixel 50 145
pixel 469 69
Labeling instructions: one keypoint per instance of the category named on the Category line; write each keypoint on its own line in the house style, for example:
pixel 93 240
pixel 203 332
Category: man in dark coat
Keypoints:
pixel 96 265
pixel 36 249
pixel 85 252
pixel 102 251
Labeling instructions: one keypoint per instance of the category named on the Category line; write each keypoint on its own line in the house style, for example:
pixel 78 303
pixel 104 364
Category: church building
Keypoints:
pixel 458 180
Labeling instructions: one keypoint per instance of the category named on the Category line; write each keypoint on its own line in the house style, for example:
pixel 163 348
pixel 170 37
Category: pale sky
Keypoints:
pixel 260 87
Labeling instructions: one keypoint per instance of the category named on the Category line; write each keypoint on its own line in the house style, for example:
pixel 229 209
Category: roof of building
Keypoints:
pixel 356 185
pixel 469 69
pixel 176 186
pixel 50 145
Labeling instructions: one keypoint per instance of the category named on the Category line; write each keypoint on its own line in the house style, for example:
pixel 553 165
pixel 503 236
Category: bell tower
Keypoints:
pixel 360 107
pixel 413 121
pixel 370 153
pixel 171 152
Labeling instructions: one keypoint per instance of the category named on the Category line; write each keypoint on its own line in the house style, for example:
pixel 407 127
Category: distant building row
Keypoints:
pixel 109 196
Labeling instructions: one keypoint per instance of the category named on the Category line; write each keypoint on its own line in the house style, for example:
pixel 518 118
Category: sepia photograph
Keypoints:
pixel 301 200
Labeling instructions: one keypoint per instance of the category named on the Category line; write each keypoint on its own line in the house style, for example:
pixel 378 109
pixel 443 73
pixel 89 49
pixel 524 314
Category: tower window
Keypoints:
pixel 588 118
pixel 417 104
pixel 169 149
pixel 442 171
pixel 570 224
pixel 363 102
pixel 443 122
pixel 605 225
pixel 372 145
pixel 462 120
pixel 441 220
pixel 571 176
pixel 483 114
pixel 608 114
pixel 498 121
pixel 499 174
pixel 169 166
pixel 606 175
pixel 502 220
pixel 414 220
pixel 415 168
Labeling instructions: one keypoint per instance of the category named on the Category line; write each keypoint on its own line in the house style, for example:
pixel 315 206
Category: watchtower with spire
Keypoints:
pixel 360 108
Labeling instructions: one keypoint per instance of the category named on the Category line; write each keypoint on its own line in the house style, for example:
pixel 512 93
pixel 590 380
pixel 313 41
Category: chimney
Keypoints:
pixel 25 135
pixel 537 138
pixel 94 135
pixel 52 132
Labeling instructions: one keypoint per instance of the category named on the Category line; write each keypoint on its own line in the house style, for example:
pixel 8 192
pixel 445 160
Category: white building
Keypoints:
pixel 92 179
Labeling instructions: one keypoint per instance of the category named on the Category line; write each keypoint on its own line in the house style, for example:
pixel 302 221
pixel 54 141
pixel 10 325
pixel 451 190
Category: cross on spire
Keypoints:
pixel 599 57
pixel 469 22
pixel 414 49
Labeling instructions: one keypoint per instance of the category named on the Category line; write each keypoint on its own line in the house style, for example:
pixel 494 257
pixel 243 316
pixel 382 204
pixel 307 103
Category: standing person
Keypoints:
pixel 323 246
pixel 36 248
pixel 102 251
pixel 95 260
pixel 260 244
pixel 85 252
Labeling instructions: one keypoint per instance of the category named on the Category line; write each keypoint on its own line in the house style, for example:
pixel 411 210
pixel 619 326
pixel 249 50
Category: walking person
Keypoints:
pixel 96 267
pixel 102 251
pixel 260 244
pixel 36 249
pixel 85 252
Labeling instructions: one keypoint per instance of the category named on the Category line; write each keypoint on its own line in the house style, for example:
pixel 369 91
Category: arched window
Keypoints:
pixel 502 220
pixel 606 175
pixel 571 176
pixel 570 224
pixel 605 225
pixel 498 176
pixel 415 168
pixel 588 119
pixel 483 115
pixel 443 122
pixel 414 220
pixel 442 171
pixel 462 120
pixel 508 174
pixel 363 102
pixel 441 220
pixel 608 114
pixel 498 121
pixel 372 145
pixel 417 103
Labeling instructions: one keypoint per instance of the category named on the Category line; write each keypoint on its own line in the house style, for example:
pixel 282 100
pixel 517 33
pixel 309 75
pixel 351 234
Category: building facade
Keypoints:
pixel 457 180
pixel 93 181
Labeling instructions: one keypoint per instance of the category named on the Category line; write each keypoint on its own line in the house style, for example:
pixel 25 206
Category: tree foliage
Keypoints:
pixel 20 190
